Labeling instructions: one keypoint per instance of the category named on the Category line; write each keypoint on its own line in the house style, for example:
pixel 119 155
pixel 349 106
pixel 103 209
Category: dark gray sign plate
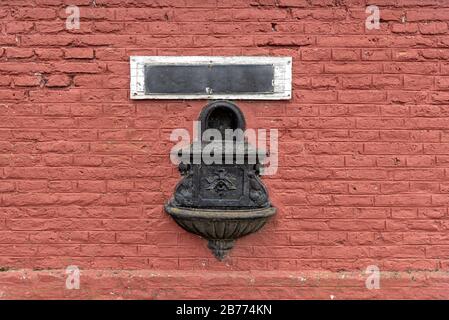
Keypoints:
pixel 209 79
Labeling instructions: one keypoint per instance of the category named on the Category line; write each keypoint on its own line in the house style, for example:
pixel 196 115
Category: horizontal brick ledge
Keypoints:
pixel 176 284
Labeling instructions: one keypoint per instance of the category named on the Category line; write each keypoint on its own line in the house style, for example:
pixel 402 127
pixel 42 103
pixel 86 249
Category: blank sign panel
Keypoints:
pixel 198 77
pixel 208 79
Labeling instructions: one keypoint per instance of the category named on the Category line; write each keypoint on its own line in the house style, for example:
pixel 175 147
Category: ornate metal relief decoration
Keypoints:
pixel 220 202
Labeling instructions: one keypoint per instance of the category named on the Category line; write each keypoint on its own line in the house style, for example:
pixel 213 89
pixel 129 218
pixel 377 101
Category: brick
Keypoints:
pixel 293 3
pixel 147 14
pixel 404 28
pixel 363 151
pixel 376 54
pixel 259 15
pixel 16 95
pixel 361 96
pixel 34 13
pixel 418 82
pixel 19 53
pixel 19 27
pixel 131 237
pixel 356 82
pixel 48 54
pixel 433 28
pixel 315 54
pixel 346 54
pixel 79 67
pixel 58 80
pixel 79 53
pixel 353 68
pixel 27 81
pixel 442 83
pixel 387 81
pixel 317 28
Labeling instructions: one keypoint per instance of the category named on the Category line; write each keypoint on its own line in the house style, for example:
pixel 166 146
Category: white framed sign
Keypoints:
pixel 204 77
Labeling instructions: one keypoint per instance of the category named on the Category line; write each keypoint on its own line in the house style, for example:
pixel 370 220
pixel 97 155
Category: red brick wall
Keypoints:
pixel 364 150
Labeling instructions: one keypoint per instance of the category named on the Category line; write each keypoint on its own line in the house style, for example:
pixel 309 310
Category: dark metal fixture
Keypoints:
pixel 226 200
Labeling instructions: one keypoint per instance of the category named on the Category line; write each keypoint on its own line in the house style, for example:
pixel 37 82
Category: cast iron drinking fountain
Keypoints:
pixel 223 200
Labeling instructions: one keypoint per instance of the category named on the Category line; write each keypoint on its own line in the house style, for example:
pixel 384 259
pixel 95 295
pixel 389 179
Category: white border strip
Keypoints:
pixel 282 76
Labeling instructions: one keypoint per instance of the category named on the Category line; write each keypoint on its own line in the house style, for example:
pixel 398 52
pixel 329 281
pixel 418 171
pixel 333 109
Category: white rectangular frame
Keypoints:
pixel 282 76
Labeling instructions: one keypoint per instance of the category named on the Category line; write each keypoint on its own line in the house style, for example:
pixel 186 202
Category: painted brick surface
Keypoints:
pixel 364 150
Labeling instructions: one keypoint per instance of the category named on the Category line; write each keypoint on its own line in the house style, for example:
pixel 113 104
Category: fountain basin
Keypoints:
pixel 219 226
